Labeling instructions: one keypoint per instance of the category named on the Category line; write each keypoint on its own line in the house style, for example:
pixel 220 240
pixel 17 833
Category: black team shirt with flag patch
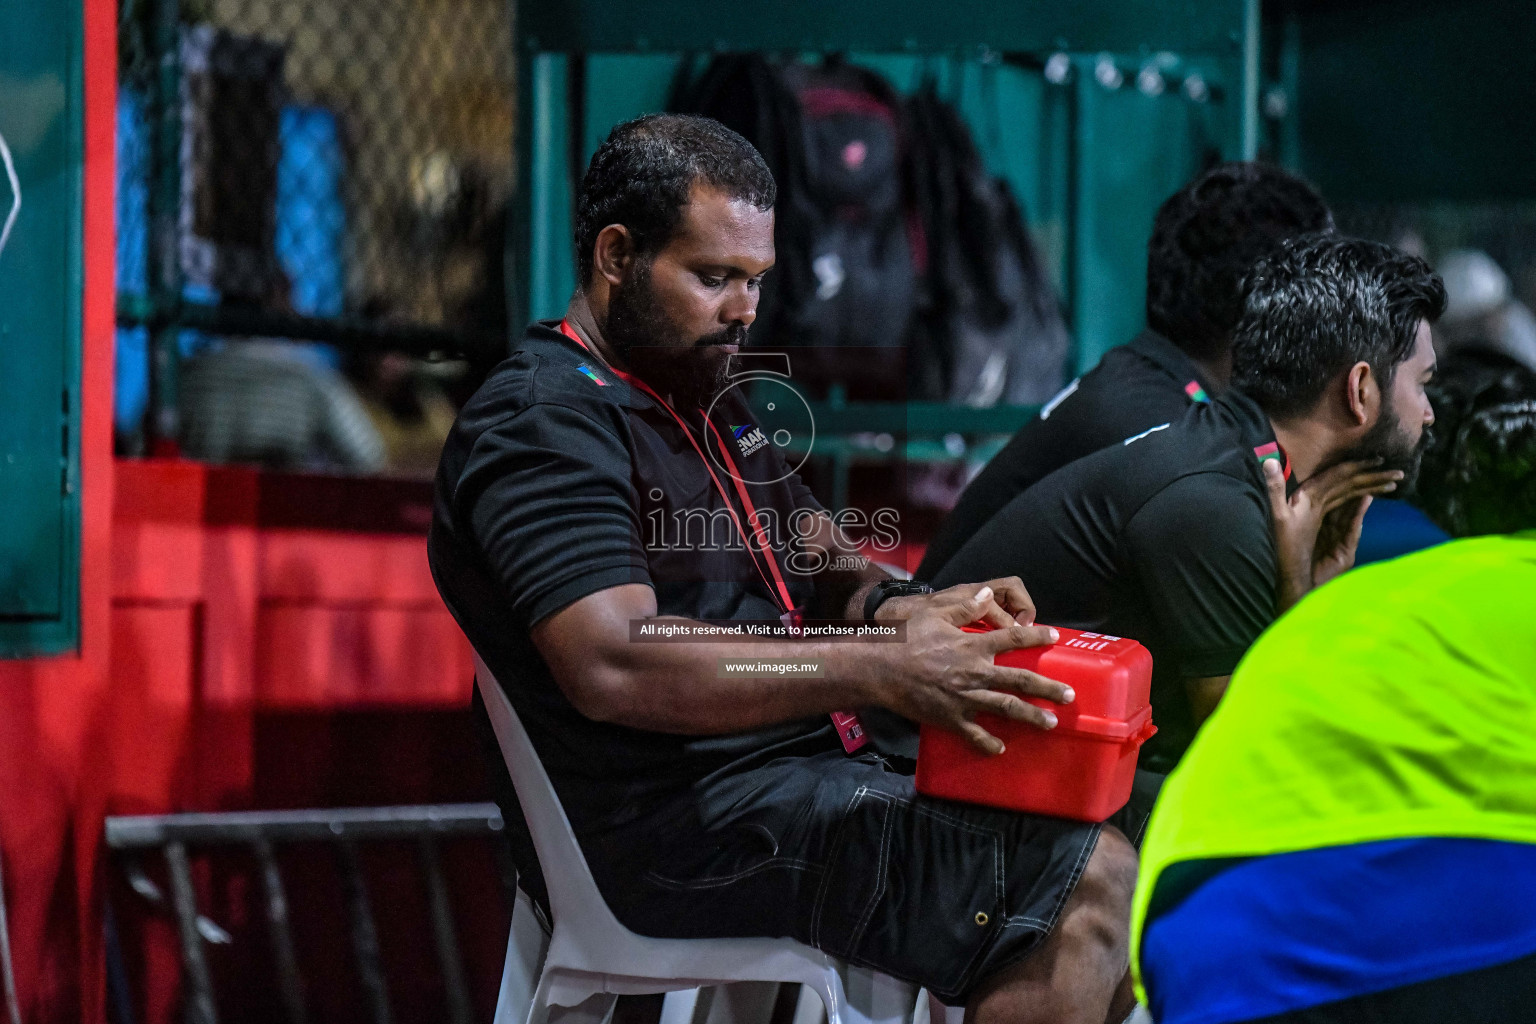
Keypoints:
pixel 1166 538
pixel 560 479
pixel 1137 385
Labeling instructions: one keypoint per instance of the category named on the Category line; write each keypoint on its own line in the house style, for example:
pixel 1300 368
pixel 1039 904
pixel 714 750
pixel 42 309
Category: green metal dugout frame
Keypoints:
pixel 1090 153
pixel 41 290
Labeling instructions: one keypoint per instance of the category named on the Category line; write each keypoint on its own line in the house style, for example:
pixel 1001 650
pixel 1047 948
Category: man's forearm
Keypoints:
pixel 691 689
pixel 934 673
pixel 1291 587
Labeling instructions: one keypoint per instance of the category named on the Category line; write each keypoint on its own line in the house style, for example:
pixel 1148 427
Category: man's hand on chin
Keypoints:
pixel 1317 528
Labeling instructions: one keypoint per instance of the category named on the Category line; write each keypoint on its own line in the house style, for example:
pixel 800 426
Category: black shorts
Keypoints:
pixel 842 853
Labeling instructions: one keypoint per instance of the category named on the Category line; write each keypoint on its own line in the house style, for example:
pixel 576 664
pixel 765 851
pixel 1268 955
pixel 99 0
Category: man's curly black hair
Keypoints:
pixel 1319 304
pixel 1207 236
pixel 1479 473
pixel 641 176
pixel 1492 487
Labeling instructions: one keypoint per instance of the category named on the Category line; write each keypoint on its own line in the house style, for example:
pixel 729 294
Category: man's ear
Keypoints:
pixel 613 253
pixel 1362 394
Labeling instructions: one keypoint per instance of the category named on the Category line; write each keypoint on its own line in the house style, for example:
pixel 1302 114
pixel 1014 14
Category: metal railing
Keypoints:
pixel 177 837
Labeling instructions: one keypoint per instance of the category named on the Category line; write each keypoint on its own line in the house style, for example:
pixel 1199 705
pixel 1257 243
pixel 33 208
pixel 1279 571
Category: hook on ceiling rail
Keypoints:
pixel 10 173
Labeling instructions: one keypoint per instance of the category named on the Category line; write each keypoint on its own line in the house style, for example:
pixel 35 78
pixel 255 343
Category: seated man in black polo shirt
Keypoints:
pixel 1191 536
pixel 1205 238
pixel 604 479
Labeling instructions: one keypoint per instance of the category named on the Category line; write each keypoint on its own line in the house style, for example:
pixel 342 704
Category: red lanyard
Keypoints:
pixel 850 731
pixel 777 588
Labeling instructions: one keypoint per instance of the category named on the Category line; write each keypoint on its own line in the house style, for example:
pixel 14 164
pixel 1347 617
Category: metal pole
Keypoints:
pixel 520 212
pixel 352 333
pixel 548 85
pixel 119 997
pixel 460 1010
pixel 290 986
pixel 199 984
pixel 365 934
pixel 1250 112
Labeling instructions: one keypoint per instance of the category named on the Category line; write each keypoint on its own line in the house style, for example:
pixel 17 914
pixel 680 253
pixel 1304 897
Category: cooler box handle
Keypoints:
pixel 1146 732
pixel 1137 729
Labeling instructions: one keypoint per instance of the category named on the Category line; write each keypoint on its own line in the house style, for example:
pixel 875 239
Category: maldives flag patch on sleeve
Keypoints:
pixel 1266 452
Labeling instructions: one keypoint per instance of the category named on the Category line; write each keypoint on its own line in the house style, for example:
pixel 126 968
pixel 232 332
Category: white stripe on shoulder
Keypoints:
pixel 1061 396
pixel 1144 433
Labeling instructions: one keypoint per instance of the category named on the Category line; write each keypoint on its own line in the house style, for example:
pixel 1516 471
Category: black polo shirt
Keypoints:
pixel 1135 386
pixel 1165 537
pixel 558 480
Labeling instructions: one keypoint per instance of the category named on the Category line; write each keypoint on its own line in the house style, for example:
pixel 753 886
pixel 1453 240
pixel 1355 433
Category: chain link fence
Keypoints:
pixel 1506 232
pixel 322 170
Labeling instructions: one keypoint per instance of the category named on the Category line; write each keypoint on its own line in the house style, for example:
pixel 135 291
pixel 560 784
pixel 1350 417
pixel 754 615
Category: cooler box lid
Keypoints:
pixel 1111 677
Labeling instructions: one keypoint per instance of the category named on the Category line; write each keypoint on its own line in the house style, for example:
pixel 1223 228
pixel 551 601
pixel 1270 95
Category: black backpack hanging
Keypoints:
pixel 852 275
pixel 891 234
pixel 850 253
pixel 994 331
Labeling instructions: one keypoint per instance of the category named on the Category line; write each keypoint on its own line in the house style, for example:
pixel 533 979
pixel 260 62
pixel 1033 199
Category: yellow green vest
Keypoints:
pixel 1397 701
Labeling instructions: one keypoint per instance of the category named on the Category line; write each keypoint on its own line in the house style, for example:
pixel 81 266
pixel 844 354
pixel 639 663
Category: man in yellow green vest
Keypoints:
pixel 1352 835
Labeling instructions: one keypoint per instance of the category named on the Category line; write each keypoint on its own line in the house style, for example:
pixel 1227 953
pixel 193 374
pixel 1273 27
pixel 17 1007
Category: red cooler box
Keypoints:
pixel 1082 768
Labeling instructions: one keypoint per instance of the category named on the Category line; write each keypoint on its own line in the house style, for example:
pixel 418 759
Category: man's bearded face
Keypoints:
pixel 1389 440
pixel 691 370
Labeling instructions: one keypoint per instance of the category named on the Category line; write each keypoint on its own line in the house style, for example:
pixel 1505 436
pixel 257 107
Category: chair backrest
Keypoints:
pixel 589 939
pixel 573 895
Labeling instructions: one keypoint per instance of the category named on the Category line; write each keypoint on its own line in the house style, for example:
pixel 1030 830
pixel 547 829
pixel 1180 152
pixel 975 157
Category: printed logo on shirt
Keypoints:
pixel 1144 433
pixel 1195 392
pixel 748 438
pixel 584 368
pixel 1061 396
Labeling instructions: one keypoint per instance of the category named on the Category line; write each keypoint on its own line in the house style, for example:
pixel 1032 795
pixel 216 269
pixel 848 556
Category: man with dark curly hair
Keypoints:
pixel 710 803
pixel 1479 473
pixel 1205 238
pixel 1194 534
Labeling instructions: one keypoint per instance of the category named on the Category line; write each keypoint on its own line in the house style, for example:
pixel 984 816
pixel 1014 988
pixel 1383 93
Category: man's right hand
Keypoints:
pixel 1299 519
pixel 944 676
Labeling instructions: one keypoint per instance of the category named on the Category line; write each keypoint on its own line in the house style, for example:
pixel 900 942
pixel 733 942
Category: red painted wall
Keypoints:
pixel 229 621
pixel 238 609
pixel 239 653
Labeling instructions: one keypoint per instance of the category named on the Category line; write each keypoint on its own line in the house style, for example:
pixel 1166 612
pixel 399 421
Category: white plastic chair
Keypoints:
pixel 574 975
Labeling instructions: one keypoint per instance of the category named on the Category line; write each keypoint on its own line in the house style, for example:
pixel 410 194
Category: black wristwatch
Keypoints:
pixel 887 589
